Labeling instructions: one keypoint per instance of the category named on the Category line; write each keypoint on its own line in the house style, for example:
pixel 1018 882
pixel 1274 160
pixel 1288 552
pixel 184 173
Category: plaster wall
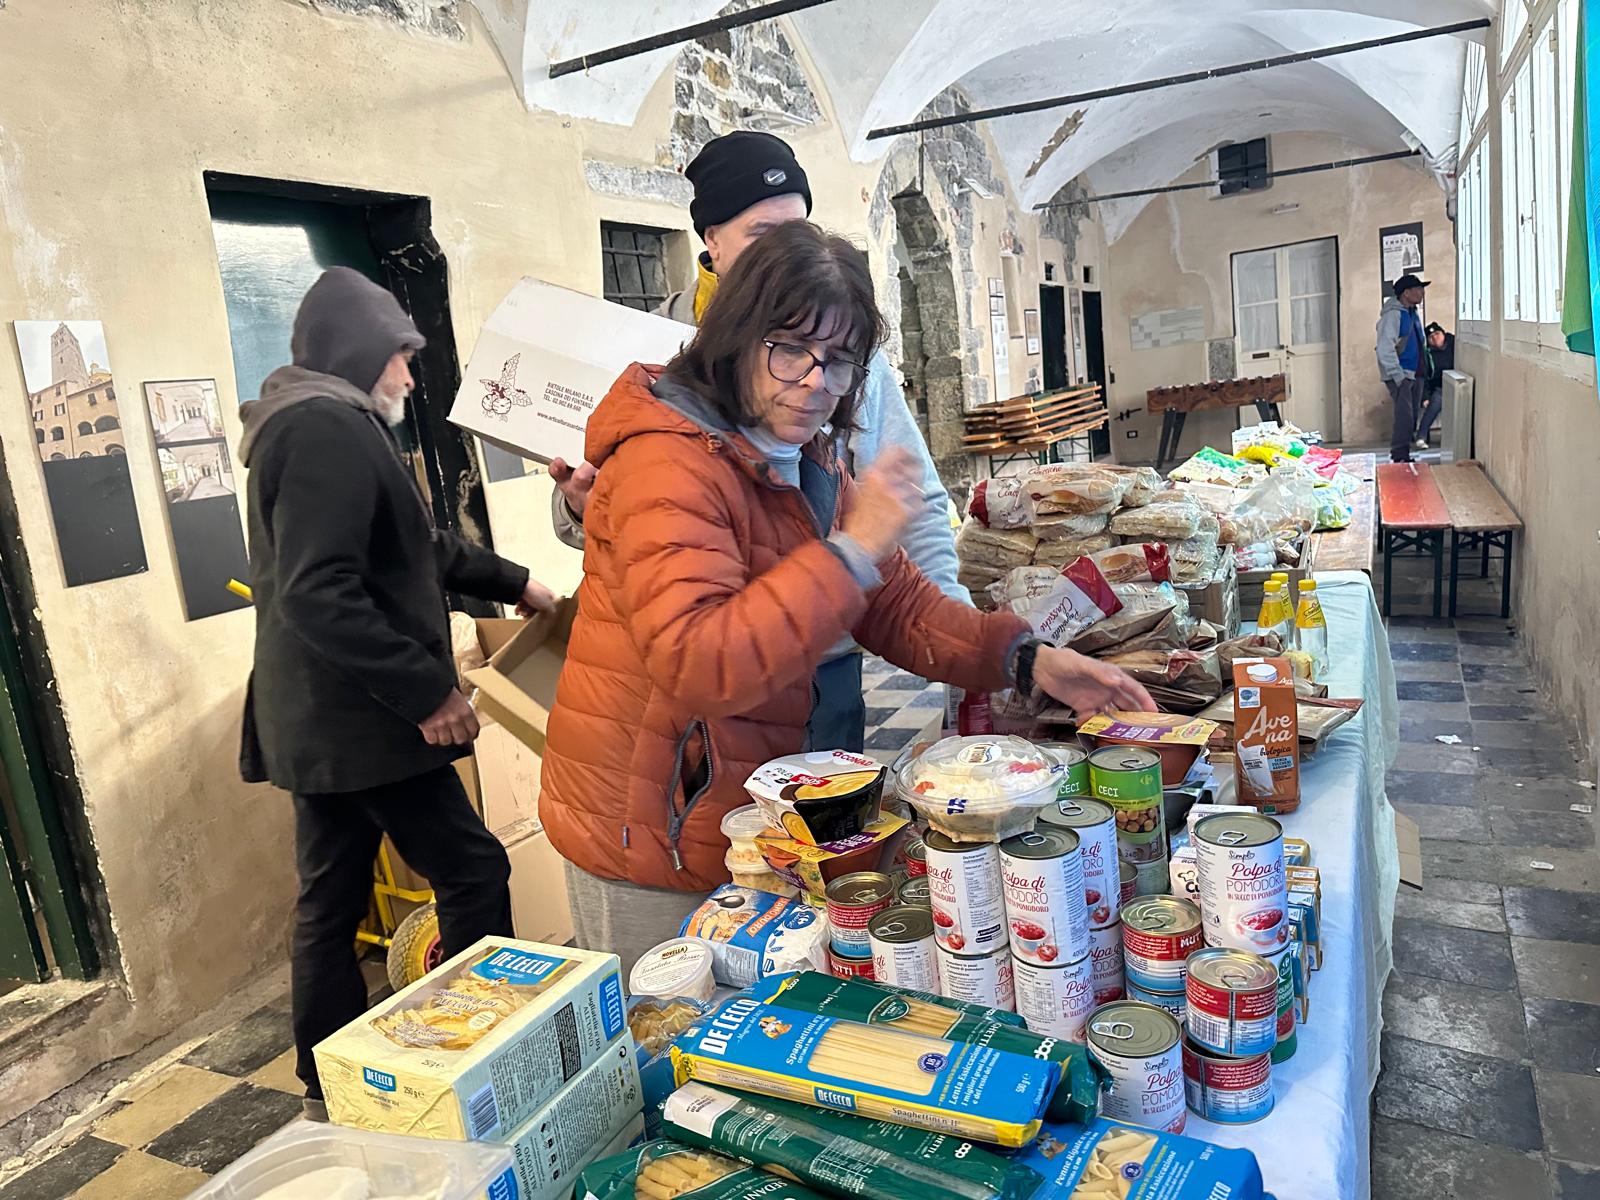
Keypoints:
pixel 1177 254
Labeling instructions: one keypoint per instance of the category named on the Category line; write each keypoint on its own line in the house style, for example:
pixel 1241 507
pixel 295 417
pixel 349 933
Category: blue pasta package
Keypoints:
pixel 1106 1160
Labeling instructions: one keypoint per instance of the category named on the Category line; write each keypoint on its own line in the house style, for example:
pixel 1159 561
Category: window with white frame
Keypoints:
pixel 1472 236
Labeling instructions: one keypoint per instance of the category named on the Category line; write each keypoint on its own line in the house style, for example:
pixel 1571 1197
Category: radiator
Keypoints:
pixel 1456 418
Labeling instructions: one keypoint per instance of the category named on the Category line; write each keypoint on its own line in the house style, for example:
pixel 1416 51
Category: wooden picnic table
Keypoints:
pixel 1414 518
pixel 1480 519
pixel 1350 548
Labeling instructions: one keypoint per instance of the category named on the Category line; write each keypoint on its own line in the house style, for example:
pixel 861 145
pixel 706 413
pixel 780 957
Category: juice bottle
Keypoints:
pixel 1275 615
pixel 1311 627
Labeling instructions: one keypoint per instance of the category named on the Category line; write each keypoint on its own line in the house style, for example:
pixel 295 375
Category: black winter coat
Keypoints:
pixel 352 637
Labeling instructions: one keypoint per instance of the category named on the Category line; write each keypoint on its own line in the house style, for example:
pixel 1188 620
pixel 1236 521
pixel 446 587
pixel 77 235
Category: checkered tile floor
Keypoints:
pixel 899 706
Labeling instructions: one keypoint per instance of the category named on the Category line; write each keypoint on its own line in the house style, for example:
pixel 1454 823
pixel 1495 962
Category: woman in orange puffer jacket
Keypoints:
pixel 727 552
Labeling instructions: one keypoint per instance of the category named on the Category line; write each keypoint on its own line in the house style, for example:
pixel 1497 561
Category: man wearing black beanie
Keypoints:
pixel 745 183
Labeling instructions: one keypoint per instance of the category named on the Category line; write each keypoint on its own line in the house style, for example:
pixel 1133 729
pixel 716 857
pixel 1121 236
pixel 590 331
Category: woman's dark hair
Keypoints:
pixel 796 278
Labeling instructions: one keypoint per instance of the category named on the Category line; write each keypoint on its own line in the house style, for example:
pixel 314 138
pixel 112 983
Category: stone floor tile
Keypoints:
pixel 1505 712
pixel 1411 1162
pixel 1553 914
pixel 912 718
pixel 1563 1035
pixel 1471 1019
pixel 1533 762
pixel 1569 1106
pixel 1466 891
pixel 932 698
pixel 177 1092
pixel 1520 735
pixel 890 738
pixel 1424 906
pixel 1423 730
pixel 1504 693
pixel 1512 826
pixel 1469 1094
pixel 1513 673
pixel 64 1172
pixel 1574 870
pixel 247 1044
pixel 1557 970
pixel 141 1175
pixel 1426 787
pixel 1447 822
pixel 1497 656
pixel 1436 756
pixel 1429 632
pixel 279 1073
pixel 1576 1183
pixel 889 698
pixel 226 1128
pixel 878 714
pixel 1444 693
pixel 1427 672
pixel 1469 636
pixel 1439 652
pixel 1449 952
pixel 904 681
pixel 1510 790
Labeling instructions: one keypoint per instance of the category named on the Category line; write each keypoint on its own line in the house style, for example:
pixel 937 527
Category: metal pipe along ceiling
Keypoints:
pixel 686 33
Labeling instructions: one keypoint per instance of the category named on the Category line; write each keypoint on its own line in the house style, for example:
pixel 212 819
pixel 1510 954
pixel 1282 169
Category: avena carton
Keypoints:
pixel 478 1046
pixel 1266 735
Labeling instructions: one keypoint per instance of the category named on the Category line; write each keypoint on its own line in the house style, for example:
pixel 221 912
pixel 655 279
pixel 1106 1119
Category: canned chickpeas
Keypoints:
pixel 1075 761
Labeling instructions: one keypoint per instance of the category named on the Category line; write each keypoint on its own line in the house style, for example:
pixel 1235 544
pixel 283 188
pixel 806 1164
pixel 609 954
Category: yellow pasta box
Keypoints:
pixel 477 1046
pixel 584 1120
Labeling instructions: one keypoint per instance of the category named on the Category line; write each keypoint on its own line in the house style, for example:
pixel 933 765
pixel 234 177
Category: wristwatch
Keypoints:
pixel 1022 671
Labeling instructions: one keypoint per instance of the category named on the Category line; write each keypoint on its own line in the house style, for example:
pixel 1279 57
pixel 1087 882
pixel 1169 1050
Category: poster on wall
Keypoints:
pixel 202 493
pixel 1075 323
pixel 1001 335
pixel 1401 249
pixel 1030 328
pixel 77 430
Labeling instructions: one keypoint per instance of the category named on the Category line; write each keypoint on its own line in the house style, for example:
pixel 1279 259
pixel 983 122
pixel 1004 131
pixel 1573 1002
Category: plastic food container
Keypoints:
pixel 680 967
pixel 331 1160
pixel 981 788
pixel 741 827
pixel 761 877
pixel 818 797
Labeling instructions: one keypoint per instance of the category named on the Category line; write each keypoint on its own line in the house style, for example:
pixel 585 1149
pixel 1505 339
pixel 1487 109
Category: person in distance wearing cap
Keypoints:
pixel 745 184
pixel 1400 361
pixel 1440 354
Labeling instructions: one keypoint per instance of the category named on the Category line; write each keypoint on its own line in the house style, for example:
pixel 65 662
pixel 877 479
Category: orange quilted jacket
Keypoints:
pixel 708 600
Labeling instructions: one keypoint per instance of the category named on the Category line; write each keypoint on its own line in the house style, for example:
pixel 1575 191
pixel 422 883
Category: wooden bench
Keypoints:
pixel 1414 520
pixel 1480 519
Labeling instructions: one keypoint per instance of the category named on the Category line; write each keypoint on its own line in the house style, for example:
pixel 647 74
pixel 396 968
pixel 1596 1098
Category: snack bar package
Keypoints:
pixel 1103 1160
pixel 932 1083
pixel 755 934
pixel 835 1152
pixel 663 1170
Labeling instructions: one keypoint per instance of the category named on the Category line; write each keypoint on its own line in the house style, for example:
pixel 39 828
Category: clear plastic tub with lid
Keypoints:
pixel 741 826
pixel 981 788
pixel 331 1162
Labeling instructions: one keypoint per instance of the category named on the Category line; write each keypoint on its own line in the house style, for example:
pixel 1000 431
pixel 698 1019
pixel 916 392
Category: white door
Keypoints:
pixel 1286 309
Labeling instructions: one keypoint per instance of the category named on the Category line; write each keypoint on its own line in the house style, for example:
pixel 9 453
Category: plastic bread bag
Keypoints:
pixel 1059 554
pixel 1105 1160
pixel 1078 1097
pixel 1074 488
pixel 1144 607
pixel 1077 598
pixel 667 1170
pixel 1000 503
pixel 1193 560
pixel 1138 562
pixel 1179 680
pixel 1207 465
pixel 1065 527
pixel 1250 645
pixel 755 934
pixel 838 1153
pixel 978 545
pixel 1165 521
pixel 1143 483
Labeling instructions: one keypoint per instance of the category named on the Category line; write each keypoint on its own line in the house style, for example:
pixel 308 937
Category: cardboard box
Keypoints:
pixel 517 688
pixel 1266 732
pixel 476 1047
pixel 508 772
pixel 1218 601
pixel 540 911
pixel 1251 583
pixel 545 357
pixel 1409 838
pixel 584 1118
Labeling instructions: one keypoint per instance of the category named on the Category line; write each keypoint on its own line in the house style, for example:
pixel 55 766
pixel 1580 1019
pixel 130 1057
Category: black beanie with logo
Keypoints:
pixel 739 169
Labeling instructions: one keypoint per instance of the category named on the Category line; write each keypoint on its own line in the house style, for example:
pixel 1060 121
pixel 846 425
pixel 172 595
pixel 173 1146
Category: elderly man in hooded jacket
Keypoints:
pixel 353 705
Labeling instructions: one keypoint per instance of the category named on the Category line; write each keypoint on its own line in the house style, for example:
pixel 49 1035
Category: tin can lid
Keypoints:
pixel 1232 970
pixel 914 891
pixel 916 851
pixel 936 841
pixel 1160 914
pixel 1124 758
pixel 1068 754
pixel 1075 812
pixel 1237 829
pixel 904 923
pixel 1133 1029
pixel 1049 842
pixel 860 887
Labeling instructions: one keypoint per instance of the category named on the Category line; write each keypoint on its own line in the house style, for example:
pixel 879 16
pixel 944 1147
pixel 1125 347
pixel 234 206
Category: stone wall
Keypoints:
pixel 441 17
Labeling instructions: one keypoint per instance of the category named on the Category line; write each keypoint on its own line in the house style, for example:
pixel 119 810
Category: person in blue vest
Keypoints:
pixel 1400 361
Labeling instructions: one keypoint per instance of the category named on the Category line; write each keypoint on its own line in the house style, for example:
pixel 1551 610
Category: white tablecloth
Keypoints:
pixel 1314 1144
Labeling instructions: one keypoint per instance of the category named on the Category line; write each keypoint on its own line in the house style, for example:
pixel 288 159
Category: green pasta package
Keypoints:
pixel 1082 1079
pixel 838 1153
pixel 665 1170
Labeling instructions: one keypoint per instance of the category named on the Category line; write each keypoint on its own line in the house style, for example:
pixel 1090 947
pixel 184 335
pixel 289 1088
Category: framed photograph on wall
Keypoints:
pixel 997 306
pixel 997 285
pixel 1030 328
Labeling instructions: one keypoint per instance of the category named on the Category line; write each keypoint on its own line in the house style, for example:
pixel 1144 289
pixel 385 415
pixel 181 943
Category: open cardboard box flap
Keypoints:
pixel 518 685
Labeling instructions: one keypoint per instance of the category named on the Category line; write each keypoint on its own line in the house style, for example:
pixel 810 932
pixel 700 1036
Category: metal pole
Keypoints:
pixel 687 33
pixel 1150 85
pixel 1211 183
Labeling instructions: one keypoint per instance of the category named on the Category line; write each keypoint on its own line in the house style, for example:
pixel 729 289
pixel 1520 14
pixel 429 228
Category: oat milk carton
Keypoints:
pixel 1266 735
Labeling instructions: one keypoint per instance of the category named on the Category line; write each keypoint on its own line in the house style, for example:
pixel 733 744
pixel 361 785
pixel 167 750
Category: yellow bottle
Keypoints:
pixel 1311 627
pixel 1275 615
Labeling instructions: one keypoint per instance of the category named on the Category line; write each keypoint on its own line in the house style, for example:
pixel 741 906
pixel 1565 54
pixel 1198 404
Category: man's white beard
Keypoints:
pixel 391 406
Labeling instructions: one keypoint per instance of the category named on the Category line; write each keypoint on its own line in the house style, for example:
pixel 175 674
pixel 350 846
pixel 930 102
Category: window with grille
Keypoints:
pixel 633 259
pixel 1243 167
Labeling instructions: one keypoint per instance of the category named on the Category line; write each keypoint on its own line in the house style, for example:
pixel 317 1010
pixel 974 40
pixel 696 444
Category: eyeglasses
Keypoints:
pixel 791 364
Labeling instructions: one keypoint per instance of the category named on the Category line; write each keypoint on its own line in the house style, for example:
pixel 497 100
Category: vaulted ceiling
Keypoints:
pixel 883 61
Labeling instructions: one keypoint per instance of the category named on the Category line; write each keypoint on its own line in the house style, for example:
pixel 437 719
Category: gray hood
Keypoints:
pixel 346 331
pixel 1392 304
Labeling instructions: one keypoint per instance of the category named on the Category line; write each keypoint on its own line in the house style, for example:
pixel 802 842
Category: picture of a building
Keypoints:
pixel 75 413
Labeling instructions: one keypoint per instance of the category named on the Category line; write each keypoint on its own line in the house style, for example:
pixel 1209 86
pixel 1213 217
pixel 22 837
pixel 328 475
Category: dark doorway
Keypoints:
pixel 1094 358
pixel 1053 335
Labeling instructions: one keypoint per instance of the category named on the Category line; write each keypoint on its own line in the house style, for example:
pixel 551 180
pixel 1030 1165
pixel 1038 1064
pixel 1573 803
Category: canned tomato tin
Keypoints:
pixel 1054 1000
pixel 1042 877
pixel 1075 760
pixel 1152 872
pixel 902 948
pixel 964 889
pixel 1096 828
pixel 913 890
pixel 1243 893
pixel 1128 778
pixel 1233 1002
pixel 1105 956
pixel 1159 933
pixel 1282 964
pixel 916 858
pixel 981 979
pixel 849 968
pixel 853 900
pixel 1138 1045
pixel 1172 1002
pixel 1229 1091
pixel 1127 880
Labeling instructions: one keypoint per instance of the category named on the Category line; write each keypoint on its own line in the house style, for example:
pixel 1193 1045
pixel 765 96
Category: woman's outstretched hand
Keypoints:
pixel 887 493
pixel 1086 685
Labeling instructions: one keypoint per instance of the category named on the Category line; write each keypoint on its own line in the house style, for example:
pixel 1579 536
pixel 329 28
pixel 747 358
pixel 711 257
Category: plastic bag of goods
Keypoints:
pixel 1066 527
pixel 1193 560
pixel 1000 503
pixel 968 1091
pixel 755 934
pixel 1170 521
pixel 1137 562
pixel 1332 511
pixel 665 1170
pixel 1207 465
pixel 872 1003
pixel 982 788
pixel 980 546
pixel 1062 607
pixel 1146 608
pixel 1104 1160
pixel 1178 680
pixel 1143 483
pixel 1058 553
pixel 1074 488
pixel 1281 501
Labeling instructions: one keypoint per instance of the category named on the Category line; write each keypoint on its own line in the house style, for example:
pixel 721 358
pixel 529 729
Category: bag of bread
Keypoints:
pixel 979 546
pixel 1063 527
pixel 1140 562
pixel 1166 521
pixel 1022 584
pixel 1059 554
pixel 1000 503
pixel 1075 599
pixel 1075 488
pixel 1143 483
pixel 1144 607
pixel 1178 680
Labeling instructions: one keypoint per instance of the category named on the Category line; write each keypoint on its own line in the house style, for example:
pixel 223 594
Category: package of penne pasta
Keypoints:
pixel 835 1152
pixel 663 1170
pixel 1076 1098
pixel 1103 1160
pixel 933 1083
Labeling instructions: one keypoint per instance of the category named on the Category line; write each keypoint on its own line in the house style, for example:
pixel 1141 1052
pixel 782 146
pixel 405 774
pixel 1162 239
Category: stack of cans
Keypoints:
pixel 1107 885
pixel 1159 933
pixel 967 901
pixel 1128 779
pixel 1041 873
